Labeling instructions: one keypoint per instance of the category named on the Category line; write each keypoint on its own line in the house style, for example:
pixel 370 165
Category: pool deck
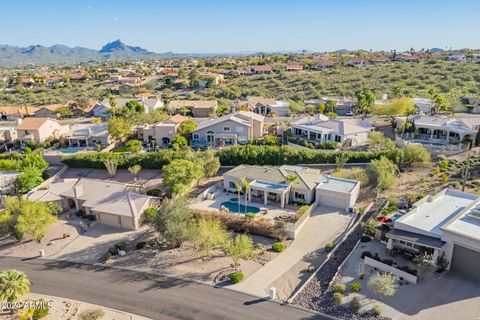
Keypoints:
pixel 273 208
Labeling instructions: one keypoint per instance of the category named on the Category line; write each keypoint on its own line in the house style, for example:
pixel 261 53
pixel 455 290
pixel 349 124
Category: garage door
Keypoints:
pixel 332 200
pixel 109 219
pixel 466 262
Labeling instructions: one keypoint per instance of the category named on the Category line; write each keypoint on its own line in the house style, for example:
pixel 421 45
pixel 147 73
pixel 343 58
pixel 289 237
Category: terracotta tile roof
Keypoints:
pixel 195 104
pixel 15 110
pixel 178 118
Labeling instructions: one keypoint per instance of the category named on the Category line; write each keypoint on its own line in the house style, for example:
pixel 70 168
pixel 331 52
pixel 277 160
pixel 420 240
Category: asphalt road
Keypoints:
pixel 152 296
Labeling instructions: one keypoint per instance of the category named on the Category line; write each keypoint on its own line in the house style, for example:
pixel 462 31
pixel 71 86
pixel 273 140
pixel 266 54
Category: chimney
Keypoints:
pixel 19 121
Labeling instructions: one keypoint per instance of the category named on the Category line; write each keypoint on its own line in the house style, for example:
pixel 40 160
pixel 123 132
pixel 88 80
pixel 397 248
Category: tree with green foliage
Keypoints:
pixel 133 106
pixel 330 106
pixel 119 128
pixel 310 109
pixel 180 174
pixel 321 108
pixel 357 174
pixel 175 221
pixel 32 160
pixel 186 128
pixel 398 90
pixel 14 285
pixel 383 284
pixel 210 163
pixel 210 234
pixel 379 140
pixel 383 172
pixel 239 190
pixel 25 217
pixel 134 146
pixel 365 102
pixel 296 107
pixel 29 179
pixel 240 248
pixel 65 112
pixel 179 142
pixel 395 108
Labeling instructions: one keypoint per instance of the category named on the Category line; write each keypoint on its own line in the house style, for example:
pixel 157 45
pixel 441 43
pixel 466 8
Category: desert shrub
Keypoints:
pixel 341 288
pixel 337 298
pixel 300 212
pixel 40 313
pixel 150 214
pixel 236 277
pixel 356 286
pixel 250 215
pixel 154 192
pixel 377 310
pixel 278 247
pixel 416 153
pixel 121 246
pixel 369 228
pixel 91 314
pixel 140 245
pixel 357 174
pixel 355 304
pixel 258 226
pixel 329 246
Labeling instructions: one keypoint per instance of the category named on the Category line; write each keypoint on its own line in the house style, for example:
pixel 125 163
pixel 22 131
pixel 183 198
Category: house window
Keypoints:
pixel 226 129
pixel 231 185
pixel 196 136
pixel 338 138
pixel 299 196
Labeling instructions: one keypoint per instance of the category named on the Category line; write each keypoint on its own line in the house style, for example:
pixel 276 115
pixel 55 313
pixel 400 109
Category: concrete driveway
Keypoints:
pixel 324 225
pixel 92 245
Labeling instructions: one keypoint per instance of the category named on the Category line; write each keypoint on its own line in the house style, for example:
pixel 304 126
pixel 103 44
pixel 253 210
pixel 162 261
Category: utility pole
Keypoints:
pixel 466 171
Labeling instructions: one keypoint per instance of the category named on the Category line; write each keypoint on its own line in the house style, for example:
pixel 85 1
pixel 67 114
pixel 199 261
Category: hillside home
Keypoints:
pixel 10 113
pixel 262 69
pixel 264 106
pixel 48 111
pixel 194 108
pixel 103 109
pixel 344 105
pixel 423 105
pixel 231 129
pixel 38 129
pixel 88 135
pixel 112 203
pixel 8 134
pixel 8 182
pixel 162 133
pixel 440 131
pixel 446 224
pixel 320 128
pixel 270 184
pixel 294 67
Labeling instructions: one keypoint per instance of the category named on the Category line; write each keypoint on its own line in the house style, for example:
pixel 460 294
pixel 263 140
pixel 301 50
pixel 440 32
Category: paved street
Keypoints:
pixel 324 225
pixel 151 296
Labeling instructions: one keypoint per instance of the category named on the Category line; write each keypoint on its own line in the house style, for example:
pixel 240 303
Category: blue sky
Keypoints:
pixel 233 25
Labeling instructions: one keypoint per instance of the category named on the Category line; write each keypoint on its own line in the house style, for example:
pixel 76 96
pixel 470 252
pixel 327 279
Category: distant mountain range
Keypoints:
pixel 37 54
pixel 116 50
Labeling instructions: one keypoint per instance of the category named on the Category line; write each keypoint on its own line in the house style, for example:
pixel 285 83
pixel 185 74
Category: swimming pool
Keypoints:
pixel 67 151
pixel 233 207
pixel 395 216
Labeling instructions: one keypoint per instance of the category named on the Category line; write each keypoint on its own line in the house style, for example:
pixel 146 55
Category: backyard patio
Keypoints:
pixel 229 201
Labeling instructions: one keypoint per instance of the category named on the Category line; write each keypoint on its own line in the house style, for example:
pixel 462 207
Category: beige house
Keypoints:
pixel 231 129
pixel 162 133
pixel 38 129
pixel 112 203
pixel 195 108
pixel 271 184
pixel 49 111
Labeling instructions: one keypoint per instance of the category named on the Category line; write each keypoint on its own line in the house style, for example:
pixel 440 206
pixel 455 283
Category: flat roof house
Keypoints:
pixel 446 224
pixel 195 108
pixel 320 128
pixel 269 184
pixel 231 129
pixel 112 203
pixel 38 129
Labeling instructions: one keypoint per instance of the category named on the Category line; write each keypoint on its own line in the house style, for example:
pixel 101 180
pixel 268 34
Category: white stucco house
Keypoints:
pixel 320 128
pixel 446 224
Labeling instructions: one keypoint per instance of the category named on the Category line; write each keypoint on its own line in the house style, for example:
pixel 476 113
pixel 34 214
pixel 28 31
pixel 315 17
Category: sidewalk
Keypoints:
pixel 324 225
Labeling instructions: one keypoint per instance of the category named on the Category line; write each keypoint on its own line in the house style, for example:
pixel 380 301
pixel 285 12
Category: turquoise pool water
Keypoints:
pixel 67 151
pixel 233 207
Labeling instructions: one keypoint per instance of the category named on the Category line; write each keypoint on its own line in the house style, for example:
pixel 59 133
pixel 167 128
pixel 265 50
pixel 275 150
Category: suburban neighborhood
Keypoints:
pixel 238 182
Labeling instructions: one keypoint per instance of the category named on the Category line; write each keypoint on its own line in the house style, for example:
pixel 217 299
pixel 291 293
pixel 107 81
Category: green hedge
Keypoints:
pixel 230 156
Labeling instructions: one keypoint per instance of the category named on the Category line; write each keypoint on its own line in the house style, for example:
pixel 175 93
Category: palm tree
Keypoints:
pixel 239 189
pixel 246 184
pixel 291 180
pixel 13 285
